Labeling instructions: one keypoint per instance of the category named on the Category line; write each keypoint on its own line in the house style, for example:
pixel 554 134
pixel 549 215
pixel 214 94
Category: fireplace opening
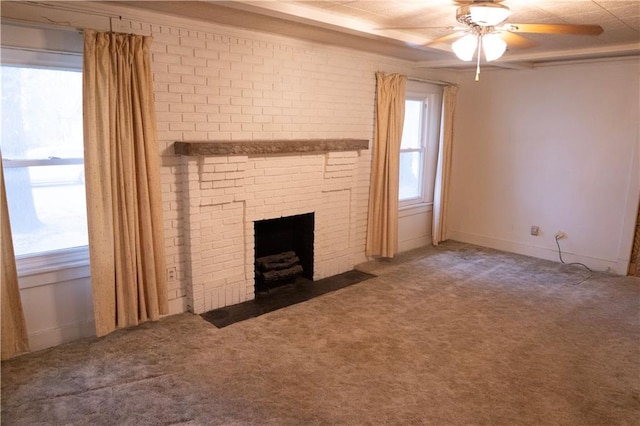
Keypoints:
pixel 283 250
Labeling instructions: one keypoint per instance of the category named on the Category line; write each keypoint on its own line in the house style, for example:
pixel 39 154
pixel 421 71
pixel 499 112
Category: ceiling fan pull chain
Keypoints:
pixel 478 63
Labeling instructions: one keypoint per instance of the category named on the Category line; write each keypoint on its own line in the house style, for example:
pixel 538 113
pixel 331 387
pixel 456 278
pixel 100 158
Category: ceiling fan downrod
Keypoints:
pixel 478 60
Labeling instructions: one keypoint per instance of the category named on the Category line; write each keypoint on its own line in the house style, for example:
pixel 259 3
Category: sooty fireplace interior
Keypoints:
pixel 283 250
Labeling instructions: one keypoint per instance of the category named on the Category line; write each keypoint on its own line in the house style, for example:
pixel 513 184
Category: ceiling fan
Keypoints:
pixel 484 30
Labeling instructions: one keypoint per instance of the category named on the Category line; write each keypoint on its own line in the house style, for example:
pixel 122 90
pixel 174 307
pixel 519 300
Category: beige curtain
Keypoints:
pixel 382 231
pixel 124 206
pixel 14 330
pixel 443 170
pixel 634 264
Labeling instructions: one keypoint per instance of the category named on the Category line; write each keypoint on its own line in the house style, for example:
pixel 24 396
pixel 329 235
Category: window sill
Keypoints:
pixel 417 208
pixel 52 267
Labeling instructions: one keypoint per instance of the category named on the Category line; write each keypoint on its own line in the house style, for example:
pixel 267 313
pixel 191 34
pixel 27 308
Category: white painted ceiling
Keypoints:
pixel 364 25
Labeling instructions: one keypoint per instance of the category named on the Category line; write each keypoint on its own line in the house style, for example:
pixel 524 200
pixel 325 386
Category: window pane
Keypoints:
pixel 41 120
pixel 412 125
pixel 410 175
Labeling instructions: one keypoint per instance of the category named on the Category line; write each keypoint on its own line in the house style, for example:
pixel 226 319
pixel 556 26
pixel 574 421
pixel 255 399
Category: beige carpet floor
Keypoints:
pixel 455 335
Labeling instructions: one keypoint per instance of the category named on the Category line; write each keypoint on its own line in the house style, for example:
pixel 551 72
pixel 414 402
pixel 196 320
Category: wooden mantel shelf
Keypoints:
pixel 220 148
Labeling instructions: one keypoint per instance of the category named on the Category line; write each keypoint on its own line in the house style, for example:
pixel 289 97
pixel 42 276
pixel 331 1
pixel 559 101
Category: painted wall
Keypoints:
pixel 218 83
pixel 57 306
pixel 555 147
pixel 414 227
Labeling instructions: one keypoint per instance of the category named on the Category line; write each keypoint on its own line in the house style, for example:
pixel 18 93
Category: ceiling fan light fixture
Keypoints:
pixel 483 14
pixel 493 46
pixel 465 47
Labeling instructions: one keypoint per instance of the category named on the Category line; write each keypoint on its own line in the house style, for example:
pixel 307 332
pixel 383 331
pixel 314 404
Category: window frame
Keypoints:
pixel 422 149
pixel 431 97
pixel 45 48
pixel 53 161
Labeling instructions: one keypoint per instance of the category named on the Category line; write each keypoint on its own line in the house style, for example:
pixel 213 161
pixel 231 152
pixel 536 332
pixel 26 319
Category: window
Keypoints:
pixel 412 151
pixel 418 149
pixel 42 157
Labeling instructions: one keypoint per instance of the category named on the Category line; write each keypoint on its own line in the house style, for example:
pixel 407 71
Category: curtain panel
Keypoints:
pixel 443 168
pixel 382 230
pixel 634 263
pixel 124 205
pixel 14 330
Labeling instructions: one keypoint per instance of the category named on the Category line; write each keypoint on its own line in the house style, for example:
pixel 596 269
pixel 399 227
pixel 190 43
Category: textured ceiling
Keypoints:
pixel 373 25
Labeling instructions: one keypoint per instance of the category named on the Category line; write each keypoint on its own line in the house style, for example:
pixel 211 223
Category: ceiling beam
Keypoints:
pixel 528 60
pixel 320 18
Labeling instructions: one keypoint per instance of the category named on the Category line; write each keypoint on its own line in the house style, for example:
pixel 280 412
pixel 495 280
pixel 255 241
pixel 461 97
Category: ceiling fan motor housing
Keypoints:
pixel 484 14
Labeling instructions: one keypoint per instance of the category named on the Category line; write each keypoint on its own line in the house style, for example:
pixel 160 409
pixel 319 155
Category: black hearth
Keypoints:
pixel 283 250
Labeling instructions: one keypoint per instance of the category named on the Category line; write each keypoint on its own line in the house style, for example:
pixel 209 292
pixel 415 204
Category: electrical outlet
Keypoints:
pixel 171 273
pixel 560 235
pixel 535 230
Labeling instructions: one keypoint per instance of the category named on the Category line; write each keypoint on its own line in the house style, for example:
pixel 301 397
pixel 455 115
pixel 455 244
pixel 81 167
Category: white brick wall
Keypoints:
pixel 216 86
pixel 223 198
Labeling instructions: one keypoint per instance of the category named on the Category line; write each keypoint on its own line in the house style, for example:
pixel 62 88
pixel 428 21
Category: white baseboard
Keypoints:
pixel 65 333
pixel 413 243
pixel 617 267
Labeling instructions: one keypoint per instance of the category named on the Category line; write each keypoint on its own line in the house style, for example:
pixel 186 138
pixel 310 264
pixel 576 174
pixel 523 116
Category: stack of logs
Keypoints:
pixel 277 269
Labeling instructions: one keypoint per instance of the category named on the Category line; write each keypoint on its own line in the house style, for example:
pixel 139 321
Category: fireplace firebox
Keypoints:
pixel 283 251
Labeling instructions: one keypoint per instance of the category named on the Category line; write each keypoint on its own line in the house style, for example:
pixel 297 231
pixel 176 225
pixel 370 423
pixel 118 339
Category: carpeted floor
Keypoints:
pixel 455 335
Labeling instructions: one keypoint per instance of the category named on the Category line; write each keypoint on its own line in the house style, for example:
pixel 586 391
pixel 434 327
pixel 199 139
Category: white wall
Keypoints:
pixel 555 147
pixel 218 83
pixel 414 227
pixel 57 306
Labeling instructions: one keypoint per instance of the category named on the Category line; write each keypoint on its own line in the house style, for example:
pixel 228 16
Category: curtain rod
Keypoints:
pixel 438 82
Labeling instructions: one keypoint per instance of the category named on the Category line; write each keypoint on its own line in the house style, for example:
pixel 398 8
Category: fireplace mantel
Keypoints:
pixel 226 148
pixel 229 186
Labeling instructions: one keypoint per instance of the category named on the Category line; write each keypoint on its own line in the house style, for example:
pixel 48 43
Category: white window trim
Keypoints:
pixel 40 46
pixel 420 199
pixel 415 209
pixel 431 96
pixel 41 58
pixel 72 260
pixel 45 48
pixel 53 161
pixel 433 142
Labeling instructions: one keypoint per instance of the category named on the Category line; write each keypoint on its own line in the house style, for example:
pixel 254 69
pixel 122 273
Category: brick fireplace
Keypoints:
pixel 228 186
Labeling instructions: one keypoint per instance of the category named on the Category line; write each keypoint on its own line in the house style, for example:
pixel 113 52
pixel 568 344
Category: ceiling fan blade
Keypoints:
pixel 450 28
pixel 555 29
pixel 445 39
pixel 463 2
pixel 517 41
